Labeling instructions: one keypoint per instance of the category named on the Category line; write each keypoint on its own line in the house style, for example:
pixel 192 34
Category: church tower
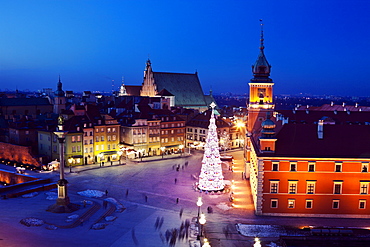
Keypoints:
pixel 149 87
pixel 260 91
pixel 59 99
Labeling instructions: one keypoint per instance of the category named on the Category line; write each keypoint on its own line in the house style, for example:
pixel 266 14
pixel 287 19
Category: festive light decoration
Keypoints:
pixel 211 178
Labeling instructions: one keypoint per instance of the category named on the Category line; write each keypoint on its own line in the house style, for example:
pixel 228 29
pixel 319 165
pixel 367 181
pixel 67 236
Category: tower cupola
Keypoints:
pixel 261 69
pixel 59 92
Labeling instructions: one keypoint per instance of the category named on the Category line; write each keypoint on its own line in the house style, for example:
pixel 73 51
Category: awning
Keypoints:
pixel 173 146
pixel 108 153
pixel 77 156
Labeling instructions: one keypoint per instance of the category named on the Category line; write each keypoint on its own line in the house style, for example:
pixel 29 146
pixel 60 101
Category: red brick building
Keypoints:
pixel 306 162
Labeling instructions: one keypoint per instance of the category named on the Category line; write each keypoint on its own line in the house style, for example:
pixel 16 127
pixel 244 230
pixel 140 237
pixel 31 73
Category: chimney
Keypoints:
pixel 320 129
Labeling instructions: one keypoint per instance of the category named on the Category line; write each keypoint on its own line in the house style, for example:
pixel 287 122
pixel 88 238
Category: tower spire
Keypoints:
pixel 262 47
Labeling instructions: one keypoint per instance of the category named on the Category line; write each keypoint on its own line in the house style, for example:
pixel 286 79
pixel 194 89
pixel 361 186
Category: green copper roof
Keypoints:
pixel 185 87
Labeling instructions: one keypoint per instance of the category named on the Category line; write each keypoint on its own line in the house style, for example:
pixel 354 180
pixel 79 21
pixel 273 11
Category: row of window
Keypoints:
pixel 309 203
pixel 109 138
pixel 97 148
pixel 201 131
pixel 201 138
pixel 165 132
pixel 312 167
pixel 311 185
pixel 154 139
pixel 173 125
pixel 165 140
pixel 109 130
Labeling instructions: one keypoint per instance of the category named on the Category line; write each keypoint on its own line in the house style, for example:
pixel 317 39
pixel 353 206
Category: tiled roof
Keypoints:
pixel 133 90
pixel 24 101
pixel 329 107
pixel 164 92
pixel 185 87
pixel 202 120
pixel 340 117
pixel 339 141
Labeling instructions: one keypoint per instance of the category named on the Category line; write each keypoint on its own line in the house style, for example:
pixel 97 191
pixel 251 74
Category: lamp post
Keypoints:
pixel 70 161
pixel 162 149
pixel 202 221
pixel 199 204
pixel 119 153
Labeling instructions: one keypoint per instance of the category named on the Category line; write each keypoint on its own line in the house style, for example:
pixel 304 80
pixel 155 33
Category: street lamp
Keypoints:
pixel 181 147
pixel 206 243
pixel 162 149
pixel 199 204
pixel 120 155
pixel 70 161
pixel 202 221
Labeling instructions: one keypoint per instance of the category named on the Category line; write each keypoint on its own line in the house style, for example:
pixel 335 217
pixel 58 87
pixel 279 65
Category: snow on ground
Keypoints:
pixel 119 206
pixel 52 196
pixel 91 193
pixel 33 194
pixel 223 206
pixel 32 222
pixel 261 230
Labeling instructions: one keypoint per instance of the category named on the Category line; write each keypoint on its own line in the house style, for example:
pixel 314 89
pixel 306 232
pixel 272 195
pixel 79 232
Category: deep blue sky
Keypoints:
pixel 314 46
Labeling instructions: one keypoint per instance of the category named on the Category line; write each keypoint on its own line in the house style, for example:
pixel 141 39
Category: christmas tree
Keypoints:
pixel 211 178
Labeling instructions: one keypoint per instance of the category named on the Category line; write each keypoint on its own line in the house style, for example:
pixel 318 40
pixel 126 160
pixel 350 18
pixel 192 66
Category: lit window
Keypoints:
pixel 365 167
pixel 274 203
pixel 97 148
pixel 311 167
pixel 309 203
pixel 292 187
pixel 338 167
pixel 311 187
pixel 291 203
pixel 293 167
pixel 337 188
pixel 335 204
pixel 362 204
pixel 78 138
pixel 364 188
pixel 102 147
pixel 73 139
pixel 274 186
pixel 108 130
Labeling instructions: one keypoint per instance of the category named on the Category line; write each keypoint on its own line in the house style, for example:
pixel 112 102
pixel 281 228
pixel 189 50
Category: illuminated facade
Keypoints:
pixel 306 163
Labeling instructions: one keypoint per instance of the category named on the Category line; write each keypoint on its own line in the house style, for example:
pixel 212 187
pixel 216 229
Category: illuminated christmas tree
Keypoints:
pixel 211 178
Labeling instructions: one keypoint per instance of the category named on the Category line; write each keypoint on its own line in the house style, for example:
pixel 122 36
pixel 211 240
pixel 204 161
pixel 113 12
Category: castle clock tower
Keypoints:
pixel 260 91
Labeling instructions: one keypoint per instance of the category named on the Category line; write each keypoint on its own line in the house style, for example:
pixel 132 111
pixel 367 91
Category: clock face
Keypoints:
pixel 261 92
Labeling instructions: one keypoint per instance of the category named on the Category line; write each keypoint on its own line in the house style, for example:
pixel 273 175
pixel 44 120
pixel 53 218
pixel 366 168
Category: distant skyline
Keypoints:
pixel 315 47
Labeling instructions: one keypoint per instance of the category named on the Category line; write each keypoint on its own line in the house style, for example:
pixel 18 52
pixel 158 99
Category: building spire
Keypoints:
pixel 261 69
pixel 262 47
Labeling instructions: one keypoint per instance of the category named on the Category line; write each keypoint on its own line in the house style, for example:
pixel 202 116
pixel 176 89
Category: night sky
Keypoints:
pixel 314 46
